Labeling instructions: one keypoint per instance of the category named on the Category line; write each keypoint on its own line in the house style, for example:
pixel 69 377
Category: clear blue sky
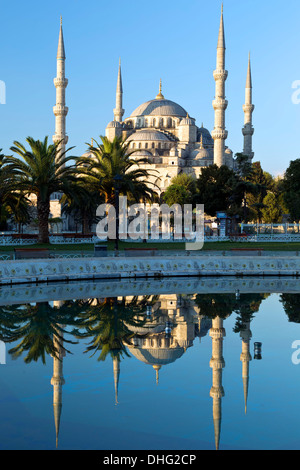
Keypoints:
pixel 168 39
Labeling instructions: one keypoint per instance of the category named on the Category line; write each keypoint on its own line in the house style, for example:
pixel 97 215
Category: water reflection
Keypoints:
pixel 156 330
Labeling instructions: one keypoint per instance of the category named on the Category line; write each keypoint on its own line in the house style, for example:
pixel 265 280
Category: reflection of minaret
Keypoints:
pixel 217 363
pixel 116 366
pixel 57 381
pixel 246 336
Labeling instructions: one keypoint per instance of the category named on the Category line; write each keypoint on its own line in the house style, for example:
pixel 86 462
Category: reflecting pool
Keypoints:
pixel 153 365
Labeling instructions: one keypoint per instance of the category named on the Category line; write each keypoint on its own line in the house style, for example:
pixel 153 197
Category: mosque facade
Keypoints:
pixel 163 133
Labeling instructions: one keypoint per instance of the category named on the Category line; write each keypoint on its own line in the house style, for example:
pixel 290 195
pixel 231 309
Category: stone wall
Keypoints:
pixel 18 272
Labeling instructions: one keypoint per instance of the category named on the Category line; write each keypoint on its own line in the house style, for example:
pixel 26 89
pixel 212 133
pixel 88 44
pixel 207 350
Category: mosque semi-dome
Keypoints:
pixel 159 107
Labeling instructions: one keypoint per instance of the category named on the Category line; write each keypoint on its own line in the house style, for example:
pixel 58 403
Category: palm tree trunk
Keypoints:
pixel 43 211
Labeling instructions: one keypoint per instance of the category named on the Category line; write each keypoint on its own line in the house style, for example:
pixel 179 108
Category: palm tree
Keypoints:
pixel 82 202
pixel 112 160
pixel 41 171
pixel 12 201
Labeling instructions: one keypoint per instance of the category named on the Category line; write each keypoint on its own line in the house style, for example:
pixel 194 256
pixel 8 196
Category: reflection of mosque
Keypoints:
pixel 173 323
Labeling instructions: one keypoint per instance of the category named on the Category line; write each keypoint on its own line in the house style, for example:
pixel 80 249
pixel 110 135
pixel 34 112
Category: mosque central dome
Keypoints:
pixel 159 107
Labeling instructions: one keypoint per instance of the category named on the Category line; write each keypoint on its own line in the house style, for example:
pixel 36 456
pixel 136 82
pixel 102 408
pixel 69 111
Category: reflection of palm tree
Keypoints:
pixel 40 329
pixel 107 323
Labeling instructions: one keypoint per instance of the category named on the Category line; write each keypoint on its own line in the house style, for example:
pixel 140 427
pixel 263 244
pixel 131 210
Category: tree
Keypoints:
pixel 12 202
pixel 261 182
pixel 291 187
pixel 181 191
pixel 271 212
pixel 218 189
pixel 41 171
pixel 81 202
pixel 114 159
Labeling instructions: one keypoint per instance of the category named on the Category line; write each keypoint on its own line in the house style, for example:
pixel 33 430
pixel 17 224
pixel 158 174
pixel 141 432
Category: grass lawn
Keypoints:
pixel 219 246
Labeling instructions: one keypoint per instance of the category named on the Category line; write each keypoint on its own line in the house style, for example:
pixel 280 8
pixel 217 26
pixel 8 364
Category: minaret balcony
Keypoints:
pixel 60 138
pixel 219 134
pixel 248 108
pixel 246 357
pixel 217 363
pixel 220 104
pixel 248 130
pixel 220 75
pixel 60 110
pixel 60 82
pixel 217 392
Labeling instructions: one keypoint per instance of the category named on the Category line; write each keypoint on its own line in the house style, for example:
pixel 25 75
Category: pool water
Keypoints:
pixel 170 374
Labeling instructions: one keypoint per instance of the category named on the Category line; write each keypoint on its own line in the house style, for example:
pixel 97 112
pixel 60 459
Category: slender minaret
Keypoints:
pixel 217 363
pixel 246 336
pixel 116 368
pixel 57 381
pixel 219 134
pixel 119 111
pixel 248 108
pixel 60 110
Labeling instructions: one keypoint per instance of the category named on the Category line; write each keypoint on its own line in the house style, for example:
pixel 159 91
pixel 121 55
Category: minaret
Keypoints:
pixel 60 82
pixel 246 336
pixel 248 108
pixel 217 363
pixel 57 381
pixel 219 134
pixel 116 368
pixel 119 111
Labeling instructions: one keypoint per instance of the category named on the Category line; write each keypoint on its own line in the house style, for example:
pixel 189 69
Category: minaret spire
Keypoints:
pixel 57 381
pixel 220 104
pixel 248 109
pixel 116 368
pixel 246 336
pixel 60 82
pixel 119 111
pixel 217 363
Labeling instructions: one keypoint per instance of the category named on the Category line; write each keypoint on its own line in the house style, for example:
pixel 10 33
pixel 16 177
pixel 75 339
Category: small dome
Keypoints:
pixel 228 152
pixel 148 135
pixel 202 153
pixel 207 138
pixel 187 122
pixel 114 124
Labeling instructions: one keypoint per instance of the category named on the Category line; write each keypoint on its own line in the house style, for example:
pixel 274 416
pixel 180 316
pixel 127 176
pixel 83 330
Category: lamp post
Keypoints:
pixel 117 180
